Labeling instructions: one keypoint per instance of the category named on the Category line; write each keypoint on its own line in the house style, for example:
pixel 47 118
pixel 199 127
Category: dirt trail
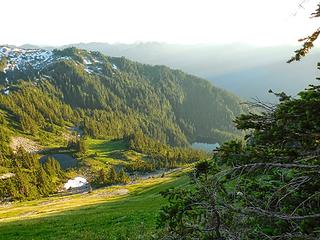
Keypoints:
pixel 156 174
pixel 117 192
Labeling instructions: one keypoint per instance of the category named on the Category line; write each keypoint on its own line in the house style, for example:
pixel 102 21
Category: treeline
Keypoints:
pixel 110 177
pixel 161 155
pixel 26 178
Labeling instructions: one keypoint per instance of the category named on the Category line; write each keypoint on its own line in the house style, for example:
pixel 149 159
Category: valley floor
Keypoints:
pixel 118 212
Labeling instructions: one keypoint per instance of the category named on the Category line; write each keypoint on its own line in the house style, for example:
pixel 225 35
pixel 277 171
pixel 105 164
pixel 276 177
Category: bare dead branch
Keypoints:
pixel 279 165
pixel 287 217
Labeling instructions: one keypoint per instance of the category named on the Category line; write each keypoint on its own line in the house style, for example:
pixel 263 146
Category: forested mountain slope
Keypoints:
pixel 108 96
pixel 248 71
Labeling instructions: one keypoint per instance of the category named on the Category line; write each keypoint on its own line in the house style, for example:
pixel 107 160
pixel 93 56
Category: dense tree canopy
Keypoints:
pixel 28 179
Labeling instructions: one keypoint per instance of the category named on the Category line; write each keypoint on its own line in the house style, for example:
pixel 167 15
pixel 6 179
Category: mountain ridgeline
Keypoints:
pixel 111 97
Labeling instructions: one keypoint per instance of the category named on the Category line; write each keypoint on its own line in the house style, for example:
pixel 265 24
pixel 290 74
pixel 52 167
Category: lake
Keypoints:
pixel 66 161
pixel 208 147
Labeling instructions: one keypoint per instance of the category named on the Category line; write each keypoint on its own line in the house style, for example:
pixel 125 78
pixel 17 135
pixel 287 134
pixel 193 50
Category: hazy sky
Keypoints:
pixel 57 22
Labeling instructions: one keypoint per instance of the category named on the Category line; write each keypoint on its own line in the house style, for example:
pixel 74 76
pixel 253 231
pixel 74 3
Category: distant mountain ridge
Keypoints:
pixel 113 96
pixel 245 70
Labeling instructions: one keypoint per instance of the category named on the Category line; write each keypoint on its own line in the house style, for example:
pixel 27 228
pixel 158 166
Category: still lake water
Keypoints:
pixel 208 147
pixel 66 161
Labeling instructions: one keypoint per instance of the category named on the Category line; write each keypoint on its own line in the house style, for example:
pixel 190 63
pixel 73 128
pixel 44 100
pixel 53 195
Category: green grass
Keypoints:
pixel 103 214
pixel 102 153
pixel 105 146
pixel 90 216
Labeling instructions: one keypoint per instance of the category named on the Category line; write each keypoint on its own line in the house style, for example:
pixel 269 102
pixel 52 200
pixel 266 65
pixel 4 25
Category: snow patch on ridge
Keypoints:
pixel 96 60
pixel 88 70
pixel 21 59
pixel 86 61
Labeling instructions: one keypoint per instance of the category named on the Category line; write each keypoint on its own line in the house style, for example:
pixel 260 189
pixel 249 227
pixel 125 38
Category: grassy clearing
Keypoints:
pixel 102 153
pixel 99 215
pixel 105 146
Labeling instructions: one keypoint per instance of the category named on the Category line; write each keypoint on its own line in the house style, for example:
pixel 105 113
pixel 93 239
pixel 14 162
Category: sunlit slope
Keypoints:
pixel 120 212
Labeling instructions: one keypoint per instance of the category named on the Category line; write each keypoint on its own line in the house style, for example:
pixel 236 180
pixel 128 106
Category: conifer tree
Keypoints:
pixel 44 183
pixel 102 177
pixel 112 175
pixel 123 177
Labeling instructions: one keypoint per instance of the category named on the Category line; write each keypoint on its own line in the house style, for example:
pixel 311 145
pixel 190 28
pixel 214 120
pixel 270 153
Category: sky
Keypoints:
pixel 59 22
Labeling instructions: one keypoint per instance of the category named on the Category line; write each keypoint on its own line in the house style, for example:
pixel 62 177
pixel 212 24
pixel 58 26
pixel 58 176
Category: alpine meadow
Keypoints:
pixel 162 120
